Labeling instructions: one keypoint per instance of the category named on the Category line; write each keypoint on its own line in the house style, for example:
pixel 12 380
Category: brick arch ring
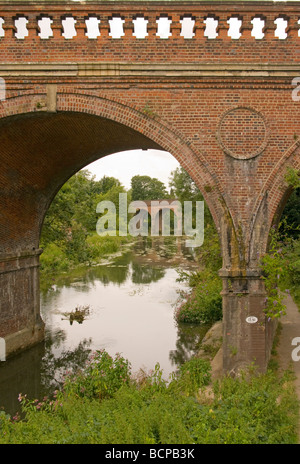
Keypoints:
pixel 158 131
pixel 277 190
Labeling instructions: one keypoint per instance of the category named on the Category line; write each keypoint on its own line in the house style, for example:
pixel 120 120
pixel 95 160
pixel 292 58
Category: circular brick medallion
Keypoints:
pixel 242 133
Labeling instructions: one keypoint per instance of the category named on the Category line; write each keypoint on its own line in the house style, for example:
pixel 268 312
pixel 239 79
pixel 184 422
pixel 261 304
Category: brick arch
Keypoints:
pixel 271 201
pixel 27 114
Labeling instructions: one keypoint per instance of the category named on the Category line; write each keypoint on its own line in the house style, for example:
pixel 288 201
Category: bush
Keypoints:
pixel 101 378
pixel 54 259
pixel 76 245
pixel 193 375
pixel 103 246
pixel 204 304
pixel 281 270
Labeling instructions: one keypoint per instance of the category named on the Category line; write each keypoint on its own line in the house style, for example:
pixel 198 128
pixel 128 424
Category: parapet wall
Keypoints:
pixel 135 31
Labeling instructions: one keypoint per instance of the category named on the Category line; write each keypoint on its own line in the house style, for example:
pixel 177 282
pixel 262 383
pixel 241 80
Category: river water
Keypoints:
pixel 128 304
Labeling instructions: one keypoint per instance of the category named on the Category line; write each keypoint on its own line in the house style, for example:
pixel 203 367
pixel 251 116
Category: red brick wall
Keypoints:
pixel 176 49
pixel 233 125
pixel 191 117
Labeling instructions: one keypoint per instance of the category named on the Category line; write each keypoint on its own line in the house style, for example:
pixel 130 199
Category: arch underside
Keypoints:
pixel 39 151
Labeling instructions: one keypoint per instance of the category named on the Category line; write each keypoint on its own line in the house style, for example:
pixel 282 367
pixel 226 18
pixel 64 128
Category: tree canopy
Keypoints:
pixel 183 187
pixel 147 188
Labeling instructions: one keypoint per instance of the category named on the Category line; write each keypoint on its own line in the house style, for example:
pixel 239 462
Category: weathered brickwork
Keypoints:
pixel 222 107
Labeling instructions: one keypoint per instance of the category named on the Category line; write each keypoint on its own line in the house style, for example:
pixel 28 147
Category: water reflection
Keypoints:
pixel 53 367
pixel 131 300
pixel 145 274
pixel 21 374
pixel 189 337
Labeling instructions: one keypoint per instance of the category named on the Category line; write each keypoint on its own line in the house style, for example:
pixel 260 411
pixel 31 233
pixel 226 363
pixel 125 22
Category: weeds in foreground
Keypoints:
pixel 105 403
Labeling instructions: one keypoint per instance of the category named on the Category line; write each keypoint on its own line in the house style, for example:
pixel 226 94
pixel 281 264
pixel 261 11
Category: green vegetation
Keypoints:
pixel 286 260
pixel 147 188
pixel 281 271
pixel 290 220
pixel 292 281
pixel 275 271
pixel 184 189
pixel 69 233
pixel 106 404
pixel 291 214
pixel 281 265
pixel 292 177
pixel 203 305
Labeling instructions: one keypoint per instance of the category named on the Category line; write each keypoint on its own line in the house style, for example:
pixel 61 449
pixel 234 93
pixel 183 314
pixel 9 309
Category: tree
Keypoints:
pixel 291 215
pixel 76 203
pixel 185 189
pixel 70 223
pixel 183 186
pixel 147 188
pixel 107 183
pixel 113 195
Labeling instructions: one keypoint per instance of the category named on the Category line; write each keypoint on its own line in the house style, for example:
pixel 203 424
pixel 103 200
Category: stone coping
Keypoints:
pixel 115 69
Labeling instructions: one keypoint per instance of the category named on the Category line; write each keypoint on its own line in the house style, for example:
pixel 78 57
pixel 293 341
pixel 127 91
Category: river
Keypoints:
pixel 127 305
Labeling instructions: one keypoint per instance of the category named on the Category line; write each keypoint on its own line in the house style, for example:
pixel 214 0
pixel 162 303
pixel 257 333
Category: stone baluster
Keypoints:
pixel 9 26
pixel 175 26
pixel 223 27
pixel 293 28
pixel 246 28
pixel 57 27
pixel 199 27
pixel 270 28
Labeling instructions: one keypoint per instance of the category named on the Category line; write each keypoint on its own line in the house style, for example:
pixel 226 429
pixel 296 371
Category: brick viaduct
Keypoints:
pixel 220 103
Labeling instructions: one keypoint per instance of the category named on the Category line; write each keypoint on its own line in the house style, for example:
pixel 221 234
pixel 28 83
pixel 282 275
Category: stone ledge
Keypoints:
pixel 23 339
pixel 10 256
pixel 112 69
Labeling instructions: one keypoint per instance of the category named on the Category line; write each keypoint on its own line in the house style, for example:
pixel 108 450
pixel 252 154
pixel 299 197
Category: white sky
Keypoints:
pixel 125 165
